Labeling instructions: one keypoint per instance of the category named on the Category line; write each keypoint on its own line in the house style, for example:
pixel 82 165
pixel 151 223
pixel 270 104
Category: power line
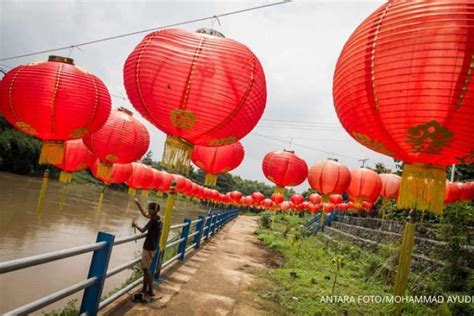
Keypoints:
pixel 146 31
pixel 304 146
pixel 298 122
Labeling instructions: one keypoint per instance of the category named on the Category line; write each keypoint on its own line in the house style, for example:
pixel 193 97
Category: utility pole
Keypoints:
pixel 363 162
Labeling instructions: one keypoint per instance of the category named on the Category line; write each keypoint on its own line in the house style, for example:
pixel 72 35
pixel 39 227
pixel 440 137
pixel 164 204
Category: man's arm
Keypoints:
pixel 141 209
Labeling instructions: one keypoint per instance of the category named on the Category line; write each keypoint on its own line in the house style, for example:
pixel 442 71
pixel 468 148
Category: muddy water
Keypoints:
pixel 23 233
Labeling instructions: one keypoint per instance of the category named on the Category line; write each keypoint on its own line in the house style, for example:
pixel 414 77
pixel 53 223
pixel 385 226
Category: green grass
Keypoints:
pixel 308 270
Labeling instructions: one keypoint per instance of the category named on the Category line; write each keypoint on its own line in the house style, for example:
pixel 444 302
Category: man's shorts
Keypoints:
pixel 147 258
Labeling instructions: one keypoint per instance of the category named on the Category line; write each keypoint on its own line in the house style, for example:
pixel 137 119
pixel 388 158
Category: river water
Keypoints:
pixel 24 233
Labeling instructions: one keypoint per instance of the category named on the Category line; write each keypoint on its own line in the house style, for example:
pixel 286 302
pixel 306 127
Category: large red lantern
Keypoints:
pixel 54 101
pixel 452 192
pixel 390 185
pixel 120 173
pixel 329 177
pixel 199 88
pixel 402 87
pixel 166 183
pixel 122 139
pixel 365 185
pixel 284 168
pixel 77 157
pixel 142 178
pixel 467 191
pixel 215 160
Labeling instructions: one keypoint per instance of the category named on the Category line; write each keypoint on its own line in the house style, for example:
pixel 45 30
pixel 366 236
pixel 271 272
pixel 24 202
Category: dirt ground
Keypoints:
pixel 216 280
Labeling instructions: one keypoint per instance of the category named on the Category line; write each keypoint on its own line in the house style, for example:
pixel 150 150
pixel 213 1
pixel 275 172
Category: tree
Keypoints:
pixel 380 168
pixel 148 159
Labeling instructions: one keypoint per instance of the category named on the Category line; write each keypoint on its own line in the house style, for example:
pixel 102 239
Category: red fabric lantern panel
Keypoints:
pixel 335 198
pixel 365 185
pixel 284 168
pixel 157 179
pixel 277 198
pixel 343 206
pixel 142 178
pixel 198 88
pixel 467 191
pixel 122 139
pixel 235 196
pixel 77 157
pixel 452 192
pixel 329 177
pixel 120 173
pixel 258 197
pixel 403 87
pixel 180 183
pixel 315 198
pixel 390 185
pixel 215 160
pixel 55 102
pixel 166 183
pixel 297 199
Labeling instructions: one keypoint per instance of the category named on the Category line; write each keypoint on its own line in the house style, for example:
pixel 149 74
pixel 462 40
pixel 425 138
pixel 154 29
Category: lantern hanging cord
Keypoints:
pixel 215 16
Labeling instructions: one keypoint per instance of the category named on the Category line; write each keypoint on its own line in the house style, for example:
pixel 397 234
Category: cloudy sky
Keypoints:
pixel 298 44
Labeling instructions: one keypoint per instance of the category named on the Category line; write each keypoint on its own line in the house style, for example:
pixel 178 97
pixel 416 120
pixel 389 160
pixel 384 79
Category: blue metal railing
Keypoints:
pixel 313 225
pixel 205 226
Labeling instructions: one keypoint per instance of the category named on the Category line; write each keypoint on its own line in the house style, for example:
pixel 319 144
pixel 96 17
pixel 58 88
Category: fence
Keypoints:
pixel 204 227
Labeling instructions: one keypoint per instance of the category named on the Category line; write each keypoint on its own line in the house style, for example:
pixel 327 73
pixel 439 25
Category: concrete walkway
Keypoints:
pixel 212 281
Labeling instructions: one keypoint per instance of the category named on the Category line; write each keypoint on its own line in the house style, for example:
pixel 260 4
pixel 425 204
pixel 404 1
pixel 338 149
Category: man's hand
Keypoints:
pixel 134 222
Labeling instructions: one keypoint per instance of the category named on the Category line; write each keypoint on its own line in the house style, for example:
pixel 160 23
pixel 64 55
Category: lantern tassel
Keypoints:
pixel 145 193
pixel 104 170
pixel 65 177
pixel 52 152
pixel 101 198
pixel 132 191
pixel 279 190
pixel 177 154
pixel 159 194
pixel 210 180
pixel 422 188
pixel 42 194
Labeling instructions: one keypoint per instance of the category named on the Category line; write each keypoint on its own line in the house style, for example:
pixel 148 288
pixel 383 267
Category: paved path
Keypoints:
pixel 213 281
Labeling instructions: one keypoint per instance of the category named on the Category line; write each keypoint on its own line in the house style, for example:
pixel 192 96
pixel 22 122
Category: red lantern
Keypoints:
pixel 267 203
pixel 403 87
pixel 277 198
pixel 329 177
pixel 122 139
pixel 284 168
pixel 55 102
pixel 142 178
pixel 312 208
pixel 199 88
pixel 467 191
pixel 120 173
pixel 166 183
pixel 158 179
pixel 77 157
pixel 315 198
pixel 366 205
pixel 297 199
pixel 215 160
pixel 452 192
pixel 343 206
pixel 235 196
pixel 257 197
pixel 390 185
pixel 328 207
pixel 335 198
pixel 365 185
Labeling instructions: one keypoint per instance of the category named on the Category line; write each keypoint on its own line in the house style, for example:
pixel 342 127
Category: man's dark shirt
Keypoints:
pixel 153 234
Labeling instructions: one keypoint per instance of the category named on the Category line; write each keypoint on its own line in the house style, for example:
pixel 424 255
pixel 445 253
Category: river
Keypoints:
pixel 24 233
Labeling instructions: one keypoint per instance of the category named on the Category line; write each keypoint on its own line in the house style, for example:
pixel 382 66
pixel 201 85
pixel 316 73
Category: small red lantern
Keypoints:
pixel 284 168
pixel 328 207
pixel 55 102
pixel 77 157
pixel 467 191
pixel 335 198
pixel 277 198
pixel 365 185
pixel 315 198
pixel 390 185
pixel 343 206
pixel 215 160
pixel 120 173
pixel 452 192
pixel 297 199
pixel 403 87
pixel 142 178
pixel 329 177
pixel 166 183
pixel 267 203
pixel 235 196
pixel 122 139
pixel 258 197
pixel 199 88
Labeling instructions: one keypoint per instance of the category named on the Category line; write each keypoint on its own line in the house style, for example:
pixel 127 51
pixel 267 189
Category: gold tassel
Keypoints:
pixel 132 191
pixel 406 250
pixel 177 155
pixel 65 177
pixel 422 188
pixel 42 194
pixel 52 153
pixel 159 194
pixel 101 198
pixel 280 190
pixel 210 180
pixel 145 193
pixel 104 170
